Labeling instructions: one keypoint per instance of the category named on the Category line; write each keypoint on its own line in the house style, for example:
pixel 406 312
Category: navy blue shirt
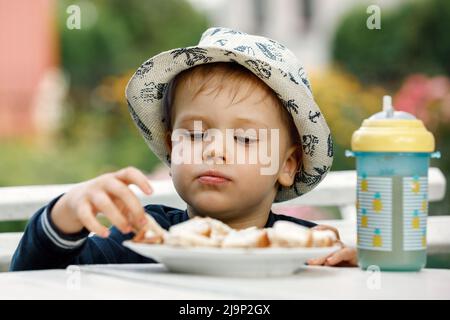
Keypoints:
pixel 43 246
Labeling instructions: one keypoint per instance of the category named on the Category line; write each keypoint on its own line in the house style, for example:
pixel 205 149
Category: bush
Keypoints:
pixel 345 103
pixel 413 38
pixel 428 98
pixel 117 36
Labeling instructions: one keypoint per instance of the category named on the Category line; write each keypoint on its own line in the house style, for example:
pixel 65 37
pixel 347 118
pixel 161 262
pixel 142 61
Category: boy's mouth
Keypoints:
pixel 213 177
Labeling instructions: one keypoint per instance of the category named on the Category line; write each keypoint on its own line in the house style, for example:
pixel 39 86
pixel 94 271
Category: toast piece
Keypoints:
pixel 219 230
pixel 196 232
pixel 246 238
pixel 289 234
pixel 323 238
pixel 151 232
pixel 189 239
pixel 148 236
pixel 196 225
pixel 209 232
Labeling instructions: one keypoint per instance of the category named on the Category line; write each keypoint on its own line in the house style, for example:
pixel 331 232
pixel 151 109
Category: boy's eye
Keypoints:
pixel 197 135
pixel 245 140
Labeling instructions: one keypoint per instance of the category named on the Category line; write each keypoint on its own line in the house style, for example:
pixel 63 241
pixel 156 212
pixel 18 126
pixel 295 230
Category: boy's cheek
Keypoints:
pixel 182 176
pixel 186 153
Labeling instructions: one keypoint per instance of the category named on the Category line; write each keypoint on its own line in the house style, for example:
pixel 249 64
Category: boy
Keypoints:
pixel 245 90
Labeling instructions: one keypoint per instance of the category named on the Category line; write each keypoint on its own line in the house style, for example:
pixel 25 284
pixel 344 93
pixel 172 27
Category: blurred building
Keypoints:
pixel 305 26
pixel 28 57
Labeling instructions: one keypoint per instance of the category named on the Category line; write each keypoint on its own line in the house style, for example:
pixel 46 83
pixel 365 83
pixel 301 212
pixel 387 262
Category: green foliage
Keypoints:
pixel 89 150
pixel 117 35
pixel 345 103
pixel 413 38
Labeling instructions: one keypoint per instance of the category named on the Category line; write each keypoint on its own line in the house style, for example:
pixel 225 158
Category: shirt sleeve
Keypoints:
pixel 43 246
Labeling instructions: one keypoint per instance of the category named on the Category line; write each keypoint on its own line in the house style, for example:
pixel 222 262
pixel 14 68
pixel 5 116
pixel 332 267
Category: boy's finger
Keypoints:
pixel 132 175
pixel 120 205
pixel 335 258
pixel 343 255
pixel 134 211
pixel 87 218
pixel 104 204
pixel 326 227
pixel 318 261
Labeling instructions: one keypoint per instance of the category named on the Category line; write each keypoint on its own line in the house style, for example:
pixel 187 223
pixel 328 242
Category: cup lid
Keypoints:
pixel 392 131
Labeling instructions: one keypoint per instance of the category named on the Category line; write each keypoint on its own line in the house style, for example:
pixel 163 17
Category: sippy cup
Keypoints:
pixel 392 151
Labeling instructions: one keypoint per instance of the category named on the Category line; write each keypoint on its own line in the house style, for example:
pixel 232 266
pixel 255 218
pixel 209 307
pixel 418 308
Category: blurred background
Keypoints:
pixel 63 117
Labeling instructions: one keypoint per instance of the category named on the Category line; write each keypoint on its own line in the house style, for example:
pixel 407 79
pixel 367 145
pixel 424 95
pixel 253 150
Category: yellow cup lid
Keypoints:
pixel 392 131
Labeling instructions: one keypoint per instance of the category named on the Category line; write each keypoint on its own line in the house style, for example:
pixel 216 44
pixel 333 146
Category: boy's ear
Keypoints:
pixel 290 166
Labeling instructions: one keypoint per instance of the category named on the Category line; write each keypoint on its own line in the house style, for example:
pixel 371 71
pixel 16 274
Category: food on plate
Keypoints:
pixel 208 232
pixel 289 234
pixel 323 238
pixel 246 238
pixel 151 232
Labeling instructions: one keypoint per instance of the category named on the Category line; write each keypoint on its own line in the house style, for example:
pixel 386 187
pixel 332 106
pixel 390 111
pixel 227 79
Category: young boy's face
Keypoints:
pixel 243 187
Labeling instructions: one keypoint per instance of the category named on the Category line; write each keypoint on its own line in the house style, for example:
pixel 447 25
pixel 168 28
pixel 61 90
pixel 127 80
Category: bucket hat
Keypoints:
pixel 269 60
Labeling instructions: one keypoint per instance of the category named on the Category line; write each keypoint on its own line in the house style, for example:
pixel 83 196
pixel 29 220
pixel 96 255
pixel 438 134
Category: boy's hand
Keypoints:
pixel 345 257
pixel 108 194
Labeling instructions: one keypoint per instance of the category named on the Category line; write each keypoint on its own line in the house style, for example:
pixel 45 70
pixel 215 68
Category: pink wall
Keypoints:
pixel 28 47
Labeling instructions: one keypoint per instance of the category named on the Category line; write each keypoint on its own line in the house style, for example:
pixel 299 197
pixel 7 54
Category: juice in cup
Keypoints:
pixel 392 151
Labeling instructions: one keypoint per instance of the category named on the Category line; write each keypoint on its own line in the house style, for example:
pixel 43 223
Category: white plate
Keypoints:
pixel 230 262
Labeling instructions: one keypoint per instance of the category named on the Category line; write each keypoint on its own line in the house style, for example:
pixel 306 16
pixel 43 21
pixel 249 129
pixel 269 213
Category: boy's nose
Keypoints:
pixel 214 154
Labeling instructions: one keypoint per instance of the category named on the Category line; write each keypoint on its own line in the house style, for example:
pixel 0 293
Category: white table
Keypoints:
pixel 152 281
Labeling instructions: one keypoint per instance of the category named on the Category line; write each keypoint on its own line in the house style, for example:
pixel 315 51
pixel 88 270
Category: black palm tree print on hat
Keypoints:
pixel 142 127
pixel 231 31
pixel 302 75
pixel 290 105
pixel 291 76
pixel 311 179
pixel 221 42
pixel 309 144
pixel 277 44
pixel 152 91
pixel 261 69
pixel 245 49
pixel 144 68
pixel 229 53
pixel 270 51
pixel 313 116
pixel 214 31
pixel 296 181
pixel 193 55
pixel 330 151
